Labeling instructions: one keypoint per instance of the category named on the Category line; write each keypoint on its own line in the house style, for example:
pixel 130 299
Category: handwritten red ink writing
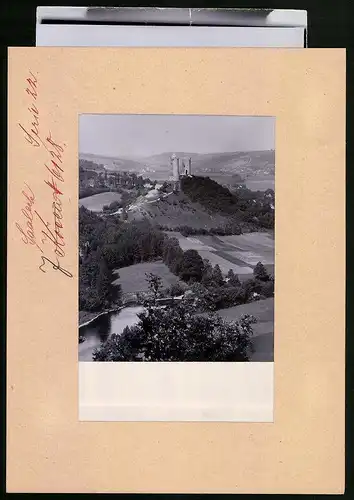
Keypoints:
pixel 53 231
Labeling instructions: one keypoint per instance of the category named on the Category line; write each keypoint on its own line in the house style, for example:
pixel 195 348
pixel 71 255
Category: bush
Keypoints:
pixel 267 289
pixel 201 298
pixel 175 290
pixel 114 205
pixel 233 279
pixel 228 296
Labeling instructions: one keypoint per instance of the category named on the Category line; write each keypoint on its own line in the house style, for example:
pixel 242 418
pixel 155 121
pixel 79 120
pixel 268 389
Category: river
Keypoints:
pixel 102 327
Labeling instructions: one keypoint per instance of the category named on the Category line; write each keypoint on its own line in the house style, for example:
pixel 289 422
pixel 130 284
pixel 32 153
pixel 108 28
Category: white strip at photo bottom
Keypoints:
pixel 166 391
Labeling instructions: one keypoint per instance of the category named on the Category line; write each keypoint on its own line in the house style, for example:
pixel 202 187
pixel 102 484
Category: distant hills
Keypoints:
pixel 249 165
pixel 112 163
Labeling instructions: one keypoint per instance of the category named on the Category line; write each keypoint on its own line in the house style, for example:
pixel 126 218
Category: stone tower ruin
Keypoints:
pixel 175 172
pixel 181 167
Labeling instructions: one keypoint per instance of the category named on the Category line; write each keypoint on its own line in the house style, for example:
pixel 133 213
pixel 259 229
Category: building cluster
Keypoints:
pixel 100 177
pixel 92 175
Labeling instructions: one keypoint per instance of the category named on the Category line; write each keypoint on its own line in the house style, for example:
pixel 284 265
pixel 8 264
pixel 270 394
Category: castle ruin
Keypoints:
pixel 181 167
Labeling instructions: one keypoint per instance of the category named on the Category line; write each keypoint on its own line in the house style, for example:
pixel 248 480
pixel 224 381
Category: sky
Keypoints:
pixel 146 135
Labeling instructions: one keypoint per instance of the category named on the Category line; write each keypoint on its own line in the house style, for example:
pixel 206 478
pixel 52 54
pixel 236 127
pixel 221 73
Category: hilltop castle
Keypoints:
pixel 181 167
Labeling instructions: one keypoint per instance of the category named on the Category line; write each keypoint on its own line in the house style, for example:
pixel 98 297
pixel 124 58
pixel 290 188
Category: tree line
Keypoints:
pixel 227 229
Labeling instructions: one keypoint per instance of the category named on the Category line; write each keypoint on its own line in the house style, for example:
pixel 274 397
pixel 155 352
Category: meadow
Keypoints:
pixel 96 202
pixel 133 278
pixel 263 330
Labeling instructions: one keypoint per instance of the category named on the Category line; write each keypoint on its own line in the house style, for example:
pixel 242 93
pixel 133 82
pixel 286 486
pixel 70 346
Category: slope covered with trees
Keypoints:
pixel 253 210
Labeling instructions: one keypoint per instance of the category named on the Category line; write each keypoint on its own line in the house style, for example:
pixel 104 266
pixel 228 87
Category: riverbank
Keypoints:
pixel 87 317
pixel 105 324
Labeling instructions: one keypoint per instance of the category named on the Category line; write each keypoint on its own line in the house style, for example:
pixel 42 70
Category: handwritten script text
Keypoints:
pixel 36 230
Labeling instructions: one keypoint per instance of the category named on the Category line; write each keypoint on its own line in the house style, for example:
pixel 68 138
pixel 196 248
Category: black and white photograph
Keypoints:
pixel 176 238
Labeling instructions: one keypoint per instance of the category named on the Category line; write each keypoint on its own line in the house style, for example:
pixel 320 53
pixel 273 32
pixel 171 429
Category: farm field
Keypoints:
pixel 132 278
pixel 237 252
pixel 96 202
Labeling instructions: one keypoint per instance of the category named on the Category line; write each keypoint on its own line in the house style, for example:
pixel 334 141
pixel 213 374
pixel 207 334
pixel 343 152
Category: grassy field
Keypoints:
pixel 133 279
pixel 263 339
pixel 97 201
pixel 262 310
pixel 239 253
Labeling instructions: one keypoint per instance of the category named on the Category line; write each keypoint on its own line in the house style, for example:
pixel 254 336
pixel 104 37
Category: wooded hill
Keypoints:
pixel 204 205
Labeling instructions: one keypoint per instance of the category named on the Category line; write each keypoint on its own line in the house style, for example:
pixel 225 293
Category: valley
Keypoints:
pixel 151 230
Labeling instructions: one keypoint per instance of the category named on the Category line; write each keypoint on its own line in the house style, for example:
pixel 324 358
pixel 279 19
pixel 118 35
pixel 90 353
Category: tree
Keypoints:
pixel 207 277
pixel 217 276
pixel 267 289
pixel 89 299
pixel 250 287
pixel 233 279
pixel 191 266
pixel 260 272
pixel 269 194
pixel 114 205
pixel 104 283
pixel 88 270
pixel 170 250
pixel 155 284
